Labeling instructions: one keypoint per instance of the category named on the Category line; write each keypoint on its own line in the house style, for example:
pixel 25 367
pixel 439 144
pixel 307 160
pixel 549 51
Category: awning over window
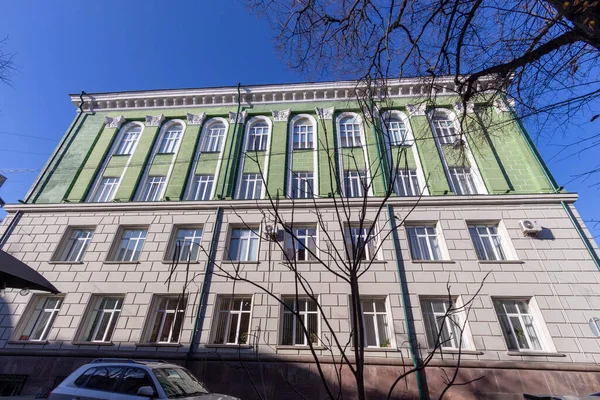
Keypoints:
pixel 18 275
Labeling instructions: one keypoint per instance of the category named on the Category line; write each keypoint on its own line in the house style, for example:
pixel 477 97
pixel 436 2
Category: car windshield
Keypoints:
pixel 178 382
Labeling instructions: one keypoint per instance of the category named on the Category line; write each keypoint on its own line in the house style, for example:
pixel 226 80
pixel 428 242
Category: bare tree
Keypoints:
pixel 7 64
pixel 366 223
pixel 542 54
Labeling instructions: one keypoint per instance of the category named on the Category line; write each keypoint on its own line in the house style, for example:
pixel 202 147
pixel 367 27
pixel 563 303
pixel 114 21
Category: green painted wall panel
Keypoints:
pixel 160 164
pixel 277 161
pixel 115 165
pixel 254 162
pixel 185 156
pixel 328 178
pixel 207 163
pixel 303 160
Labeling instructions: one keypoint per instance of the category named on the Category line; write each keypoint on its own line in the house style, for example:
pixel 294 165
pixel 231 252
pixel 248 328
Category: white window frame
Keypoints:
pixel 153 188
pixel 178 312
pixel 406 182
pixel 34 317
pixel 74 243
pixel 355 183
pixel 302 185
pixel 139 240
pixel 462 181
pixel 353 237
pixel 396 135
pixel 303 119
pixel 188 235
pixel 128 140
pixel 373 316
pixel 96 313
pixel 245 235
pixel 302 237
pixel 350 133
pixel 171 138
pixel 432 255
pixel 306 130
pixel 454 322
pixel 444 127
pixel 213 140
pixel 203 187
pixel 304 312
pixel 227 314
pixel 495 238
pixel 106 190
pixel 537 322
pixel 247 192
pixel 259 132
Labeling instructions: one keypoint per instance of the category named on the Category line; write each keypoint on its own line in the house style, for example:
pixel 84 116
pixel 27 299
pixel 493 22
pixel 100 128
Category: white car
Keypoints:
pixel 122 379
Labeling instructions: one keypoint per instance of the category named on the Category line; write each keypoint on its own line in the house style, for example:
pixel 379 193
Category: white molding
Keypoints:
pixel 325 113
pixel 265 168
pixel 114 123
pixel 154 120
pixel 195 119
pixel 458 107
pixel 281 115
pixel 500 106
pixel 340 151
pixel 416 109
pixel 233 117
pixel 290 150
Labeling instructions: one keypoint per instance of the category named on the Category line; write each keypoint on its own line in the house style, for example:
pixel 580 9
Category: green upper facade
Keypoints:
pixel 299 141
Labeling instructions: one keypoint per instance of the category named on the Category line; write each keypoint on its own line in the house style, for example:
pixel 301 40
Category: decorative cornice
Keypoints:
pixel 114 122
pixel 458 107
pixel 416 109
pixel 195 119
pixel 281 115
pixel 325 113
pixel 500 106
pixel 233 117
pixel 154 120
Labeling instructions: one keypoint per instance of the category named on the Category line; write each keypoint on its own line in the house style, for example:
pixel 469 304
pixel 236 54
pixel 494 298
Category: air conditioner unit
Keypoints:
pixel 530 226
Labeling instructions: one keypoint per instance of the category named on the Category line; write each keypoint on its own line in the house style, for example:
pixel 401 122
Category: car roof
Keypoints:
pixel 131 362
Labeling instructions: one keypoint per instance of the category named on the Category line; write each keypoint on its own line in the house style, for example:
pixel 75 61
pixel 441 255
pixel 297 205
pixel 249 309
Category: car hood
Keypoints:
pixel 212 396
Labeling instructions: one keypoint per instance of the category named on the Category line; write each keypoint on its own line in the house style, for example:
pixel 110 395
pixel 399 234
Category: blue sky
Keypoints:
pixel 67 46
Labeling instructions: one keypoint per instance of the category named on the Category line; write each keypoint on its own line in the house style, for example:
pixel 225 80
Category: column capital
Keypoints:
pixel 241 119
pixel 114 122
pixel 458 107
pixel 154 120
pixel 195 119
pixel 325 113
pixel 500 106
pixel 281 115
pixel 416 109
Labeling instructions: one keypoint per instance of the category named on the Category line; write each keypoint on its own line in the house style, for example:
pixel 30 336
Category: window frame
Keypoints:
pixel 405 178
pixel 303 121
pixel 261 138
pixel 89 329
pixel 346 141
pixel 99 191
pixel 356 179
pixel 253 231
pixel 389 329
pixel 289 244
pixel 208 142
pixel 468 182
pixel 302 184
pixel 196 184
pixel 441 245
pixel 257 180
pixel 457 342
pixel 168 144
pixel 154 314
pixel 170 253
pixel 371 246
pixel 63 250
pixel 441 114
pixel 507 249
pixel 226 330
pixel 146 188
pixel 30 313
pixel 131 144
pixel 303 313
pixel 118 239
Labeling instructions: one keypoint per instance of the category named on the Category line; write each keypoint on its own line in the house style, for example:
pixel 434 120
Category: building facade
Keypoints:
pixel 148 191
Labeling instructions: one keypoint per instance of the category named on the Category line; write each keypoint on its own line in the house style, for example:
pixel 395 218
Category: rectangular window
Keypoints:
pixel 350 134
pixel 232 320
pixel 105 311
pixel 170 140
pixel 355 183
pixel 131 244
pixel 443 327
pixel 303 246
pixel 444 129
pixel 462 180
pixel 375 321
pixel 407 183
pixel 76 245
pixel 424 243
pixel 128 141
pixel 202 187
pixel 292 332
pixel 258 138
pixel 398 134
pixel 167 319
pixel 360 244
pixel 187 244
pixel 39 321
pixel 106 190
pixel 153 188
pixel 487 242
pixel 303 136
pixel 251 187
pixel 518 325
pixel 214 139
pixel 302 185
pixel 243 245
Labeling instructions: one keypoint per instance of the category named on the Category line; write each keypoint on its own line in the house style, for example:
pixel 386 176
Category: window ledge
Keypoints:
pixel 158 344
pixel 501 262
pixel 227 346
pixel 120 262
pixel 535 353
pixel 457 351
pixel 80 343
pixel 433 261
pixel 291 347
pixel 64 262
pixel 38 342
pixel 380 349
pixel 180 262
pixel 240 262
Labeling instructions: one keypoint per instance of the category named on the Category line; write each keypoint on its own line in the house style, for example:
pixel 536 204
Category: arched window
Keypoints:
pixel 258 136
pixel 303 134
pixel 215 137
pixel 397 132
pixel 350 132
pixel 170 139
pixel 443 126
pixel 129 140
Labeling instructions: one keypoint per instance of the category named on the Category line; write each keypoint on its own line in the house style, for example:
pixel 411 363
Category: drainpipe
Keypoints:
pixel 406 307
pixel 203 299
pixel 587 243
